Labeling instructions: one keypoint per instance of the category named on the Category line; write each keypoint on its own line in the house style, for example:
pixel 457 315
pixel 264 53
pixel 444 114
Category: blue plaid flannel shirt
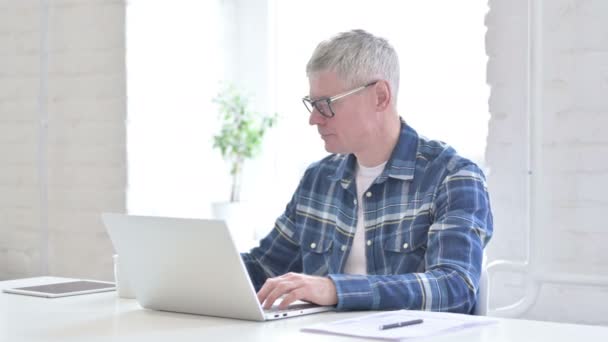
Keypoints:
pixel 427 220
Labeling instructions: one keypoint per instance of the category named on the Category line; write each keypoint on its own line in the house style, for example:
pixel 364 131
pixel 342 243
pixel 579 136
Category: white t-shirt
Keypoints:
pixel 356 263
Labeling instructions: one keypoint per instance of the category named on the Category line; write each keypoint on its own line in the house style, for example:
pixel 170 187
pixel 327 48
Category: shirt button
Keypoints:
pixel 313 245
pixel 343 248
pixel 405 245
pixel 369 242
pixel 368 194
pixel 355 201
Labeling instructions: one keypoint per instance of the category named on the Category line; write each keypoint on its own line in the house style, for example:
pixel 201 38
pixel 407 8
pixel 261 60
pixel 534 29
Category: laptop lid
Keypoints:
pixel 187 265
pixel 183 265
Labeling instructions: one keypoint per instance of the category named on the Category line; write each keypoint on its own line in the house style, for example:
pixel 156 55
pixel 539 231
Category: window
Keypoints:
pixel 177 54
pixel 440 43
pixel 175 62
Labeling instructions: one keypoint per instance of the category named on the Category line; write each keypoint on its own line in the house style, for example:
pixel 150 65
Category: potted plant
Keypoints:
pixel 239 139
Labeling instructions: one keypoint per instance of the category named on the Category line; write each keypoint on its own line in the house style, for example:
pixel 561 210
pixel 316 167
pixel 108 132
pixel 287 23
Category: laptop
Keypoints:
pixel 189 266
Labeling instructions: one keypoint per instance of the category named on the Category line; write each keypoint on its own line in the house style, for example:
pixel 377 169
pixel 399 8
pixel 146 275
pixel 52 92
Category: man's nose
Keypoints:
pixel 316 118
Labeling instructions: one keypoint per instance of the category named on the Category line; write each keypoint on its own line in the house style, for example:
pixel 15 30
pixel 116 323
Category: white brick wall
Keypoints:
pixel 574 166
pixel 85 145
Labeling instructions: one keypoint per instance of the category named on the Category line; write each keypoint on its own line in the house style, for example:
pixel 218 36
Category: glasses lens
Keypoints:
pixel 323 107
pixel 308 104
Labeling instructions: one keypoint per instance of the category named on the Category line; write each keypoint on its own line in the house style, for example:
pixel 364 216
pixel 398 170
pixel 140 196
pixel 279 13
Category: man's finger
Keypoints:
pixel 263 292
pixel 291 297
pixel 268 287
pixel 280 288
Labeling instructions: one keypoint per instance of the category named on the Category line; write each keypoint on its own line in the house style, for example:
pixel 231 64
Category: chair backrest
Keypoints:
pixel 483 296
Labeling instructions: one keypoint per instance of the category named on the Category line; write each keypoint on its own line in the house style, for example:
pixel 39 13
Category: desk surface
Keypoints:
pixel 104 317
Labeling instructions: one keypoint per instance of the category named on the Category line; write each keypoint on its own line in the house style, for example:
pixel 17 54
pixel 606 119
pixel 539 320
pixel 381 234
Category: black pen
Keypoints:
pixel 400 324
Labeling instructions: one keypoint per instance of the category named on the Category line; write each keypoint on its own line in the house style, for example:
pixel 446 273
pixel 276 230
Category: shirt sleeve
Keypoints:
pixel 460 230
pixel 278 252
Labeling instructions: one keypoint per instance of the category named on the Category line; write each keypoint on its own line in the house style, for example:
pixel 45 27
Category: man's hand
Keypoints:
pixel 296 286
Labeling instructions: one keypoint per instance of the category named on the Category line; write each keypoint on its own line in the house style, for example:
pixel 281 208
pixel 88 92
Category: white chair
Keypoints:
pixel 483 297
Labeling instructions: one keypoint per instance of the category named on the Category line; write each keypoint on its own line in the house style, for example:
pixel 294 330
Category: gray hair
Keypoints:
pixel 358 57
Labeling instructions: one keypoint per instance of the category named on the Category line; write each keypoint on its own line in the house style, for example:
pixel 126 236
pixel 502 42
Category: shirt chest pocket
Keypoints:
pixel 404 248
pixel 317 252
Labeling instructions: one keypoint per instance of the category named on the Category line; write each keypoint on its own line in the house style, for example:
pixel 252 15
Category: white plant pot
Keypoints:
pixel 238 217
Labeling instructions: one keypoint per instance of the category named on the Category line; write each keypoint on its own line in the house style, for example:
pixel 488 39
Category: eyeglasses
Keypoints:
pixel 323 104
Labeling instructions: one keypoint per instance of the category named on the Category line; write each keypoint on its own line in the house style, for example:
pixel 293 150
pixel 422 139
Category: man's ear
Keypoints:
pixel 383 95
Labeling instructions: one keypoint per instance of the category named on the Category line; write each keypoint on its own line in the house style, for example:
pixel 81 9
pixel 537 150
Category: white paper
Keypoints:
pixel 368 326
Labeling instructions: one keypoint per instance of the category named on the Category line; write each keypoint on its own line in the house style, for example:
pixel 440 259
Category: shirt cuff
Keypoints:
pixel 354 292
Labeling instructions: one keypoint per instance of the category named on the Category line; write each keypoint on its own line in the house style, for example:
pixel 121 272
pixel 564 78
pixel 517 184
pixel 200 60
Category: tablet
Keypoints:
pixel 71 288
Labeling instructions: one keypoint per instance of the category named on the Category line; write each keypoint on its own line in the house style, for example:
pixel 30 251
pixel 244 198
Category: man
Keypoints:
pixel 389 220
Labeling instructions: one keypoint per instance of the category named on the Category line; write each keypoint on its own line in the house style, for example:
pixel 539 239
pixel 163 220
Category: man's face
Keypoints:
pixel 351 127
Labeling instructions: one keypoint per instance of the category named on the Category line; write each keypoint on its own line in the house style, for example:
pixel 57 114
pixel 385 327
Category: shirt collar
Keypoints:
pixel 400 165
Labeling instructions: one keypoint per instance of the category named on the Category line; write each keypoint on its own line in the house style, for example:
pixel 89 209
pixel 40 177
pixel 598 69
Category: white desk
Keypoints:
pixel 104 317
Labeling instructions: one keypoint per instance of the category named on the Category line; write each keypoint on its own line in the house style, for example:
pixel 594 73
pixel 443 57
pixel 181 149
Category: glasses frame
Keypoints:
pixel 311 105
